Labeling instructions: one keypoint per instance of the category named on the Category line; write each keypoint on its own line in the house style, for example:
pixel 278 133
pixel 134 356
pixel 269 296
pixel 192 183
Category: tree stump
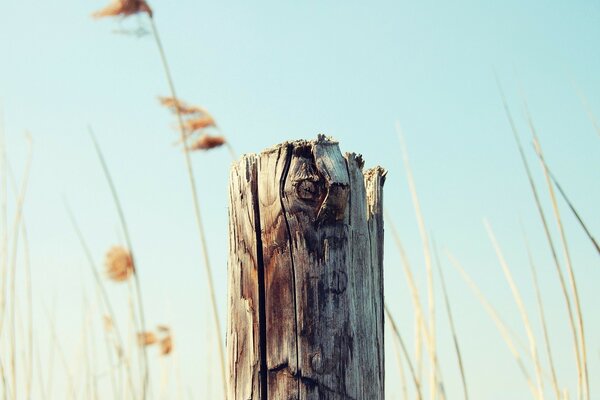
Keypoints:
pixel 305 297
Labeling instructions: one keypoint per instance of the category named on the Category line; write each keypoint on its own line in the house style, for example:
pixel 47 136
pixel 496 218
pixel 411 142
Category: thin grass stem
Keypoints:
pixel 196 204
pixel 452 325
pixel 557 266
pixel 540 306
pixel 405 351
pixel 136 274
pixel 500 325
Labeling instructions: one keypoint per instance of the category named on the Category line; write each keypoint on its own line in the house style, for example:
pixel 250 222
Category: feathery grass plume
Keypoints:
pixel 540 306
pixel 166 341
pixel 521 306
pixel 123 8
pixel 119 264
pixel 178 106
pixel 500 324
pixel 147 338
pixel 558 269
pixel 428 261
pixel 404 350
pixel 197 124
pixel 207 142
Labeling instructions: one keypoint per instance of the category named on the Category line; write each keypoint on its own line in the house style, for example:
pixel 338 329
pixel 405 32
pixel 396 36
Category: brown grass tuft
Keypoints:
pixel 147 338
pixel 196 124
pixel 123 8
pixel 119 264
pixel 179 106
pixel 166 341
pixel 207 142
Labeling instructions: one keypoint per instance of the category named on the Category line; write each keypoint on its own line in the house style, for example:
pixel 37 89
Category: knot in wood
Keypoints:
pixel 308 189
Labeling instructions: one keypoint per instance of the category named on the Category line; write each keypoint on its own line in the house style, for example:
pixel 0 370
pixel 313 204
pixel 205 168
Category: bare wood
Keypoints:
pixel 305 275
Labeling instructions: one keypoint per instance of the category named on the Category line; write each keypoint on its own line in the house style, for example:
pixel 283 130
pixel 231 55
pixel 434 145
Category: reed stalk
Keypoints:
pixel 542 315
pixel 568 262
pixel 500 325
pixel 195 200
pixel 405 351
pixel 104 297
pixel 558 269
pixel 448 307
pixel 428 262
pixel 521 306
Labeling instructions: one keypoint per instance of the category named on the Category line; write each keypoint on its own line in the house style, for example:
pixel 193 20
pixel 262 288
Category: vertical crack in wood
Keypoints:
pixel 262 314
pixel 284 176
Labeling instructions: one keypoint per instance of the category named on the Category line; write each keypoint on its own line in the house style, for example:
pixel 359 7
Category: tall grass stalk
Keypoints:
pixel 428 262
pixel 571 207
pixel 15 245
pixel 61 354
pixel 522 310
pixel 128 242
pixel 500 325
pixel 105 300
pixel 195 199
pixel 452 325
pixel 567 256
pixel 420 324
pixel 589 112
pixel 29 293
pixel 542 315
pixel 561 278
pixel 4 248
pixel 405 351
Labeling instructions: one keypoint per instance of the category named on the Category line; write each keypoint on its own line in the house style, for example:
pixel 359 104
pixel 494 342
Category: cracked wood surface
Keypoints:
pixel 305 293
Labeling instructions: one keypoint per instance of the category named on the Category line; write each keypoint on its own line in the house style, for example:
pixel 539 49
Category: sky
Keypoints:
pixel 274 71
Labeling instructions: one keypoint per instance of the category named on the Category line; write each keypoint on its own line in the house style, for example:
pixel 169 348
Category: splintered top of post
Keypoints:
pixel 322 140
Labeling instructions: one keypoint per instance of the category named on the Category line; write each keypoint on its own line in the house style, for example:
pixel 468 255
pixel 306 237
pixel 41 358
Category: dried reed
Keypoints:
pixel 428 263
pixel 146 338
pixel 568 262
pixel 123 8
pixel 124 226
pixel 207 142
pixel 404 350
pixel 197 213
pixel 452 326
pixel 540 306
pixel 119 264
pixel 109 321
pixel 500 325
pixel 557 266
pixel 521 306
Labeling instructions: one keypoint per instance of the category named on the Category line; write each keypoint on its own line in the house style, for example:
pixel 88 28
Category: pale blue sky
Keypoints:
pixel 271 71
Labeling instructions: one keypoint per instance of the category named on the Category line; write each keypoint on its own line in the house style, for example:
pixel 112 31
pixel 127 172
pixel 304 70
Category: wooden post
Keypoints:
pixel 305 299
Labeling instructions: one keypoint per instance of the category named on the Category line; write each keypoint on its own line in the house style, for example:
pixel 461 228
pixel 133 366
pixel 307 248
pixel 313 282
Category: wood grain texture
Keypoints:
pixel 306 292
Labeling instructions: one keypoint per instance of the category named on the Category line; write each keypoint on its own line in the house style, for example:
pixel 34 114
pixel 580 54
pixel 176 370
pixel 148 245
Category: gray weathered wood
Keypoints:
pixel 305 275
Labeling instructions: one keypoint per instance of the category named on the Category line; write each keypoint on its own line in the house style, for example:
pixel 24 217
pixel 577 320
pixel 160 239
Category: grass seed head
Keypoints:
pixel 166 345
pixel 146 338
pixel 123 8
pixel 176 105
pixel 119 264
pixel 207 142
pixel 196 124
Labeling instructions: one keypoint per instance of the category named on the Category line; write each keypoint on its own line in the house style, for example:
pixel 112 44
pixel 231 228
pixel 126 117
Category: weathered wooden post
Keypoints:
pixel 305 311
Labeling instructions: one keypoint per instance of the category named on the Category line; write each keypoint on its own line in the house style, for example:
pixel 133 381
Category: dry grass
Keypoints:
pixel 123 8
